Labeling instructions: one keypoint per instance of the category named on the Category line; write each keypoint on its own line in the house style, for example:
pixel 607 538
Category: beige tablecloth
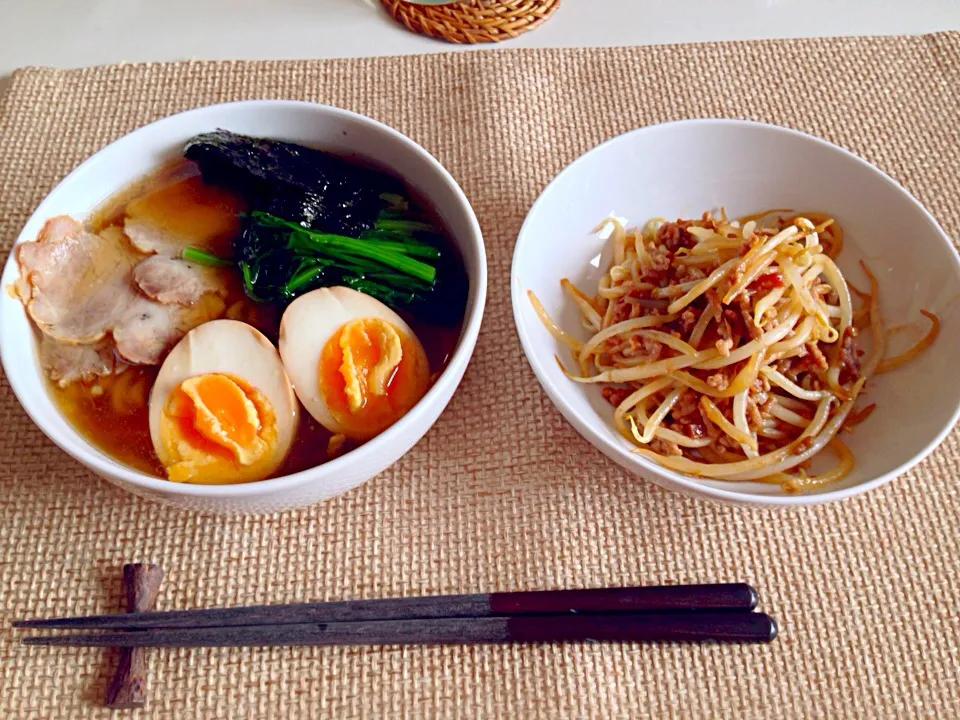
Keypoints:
pixel 502 493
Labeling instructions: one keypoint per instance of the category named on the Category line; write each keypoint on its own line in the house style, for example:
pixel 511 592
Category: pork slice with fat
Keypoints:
pixel 79 287
pixel 173 281
pixel 149 328
pixel 65 363
pixel 148 237
pixel 74 283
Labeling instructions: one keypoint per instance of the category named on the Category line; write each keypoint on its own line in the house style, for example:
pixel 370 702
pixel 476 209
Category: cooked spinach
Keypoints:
pixel 280 260
pixel 318 220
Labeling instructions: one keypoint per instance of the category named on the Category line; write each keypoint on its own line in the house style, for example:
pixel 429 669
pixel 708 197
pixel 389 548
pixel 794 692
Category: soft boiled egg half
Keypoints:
pixel 222 409
pixel 356 366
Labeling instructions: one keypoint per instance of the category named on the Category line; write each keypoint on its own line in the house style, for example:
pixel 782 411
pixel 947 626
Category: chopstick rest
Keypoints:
pixel 128 688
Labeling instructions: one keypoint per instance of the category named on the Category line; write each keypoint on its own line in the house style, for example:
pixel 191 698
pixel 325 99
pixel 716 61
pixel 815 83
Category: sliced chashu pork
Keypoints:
pixel 150 329
pixel 65 364
pixel 79 288
pixel 174 281
pixel 76 284
pixel 148 237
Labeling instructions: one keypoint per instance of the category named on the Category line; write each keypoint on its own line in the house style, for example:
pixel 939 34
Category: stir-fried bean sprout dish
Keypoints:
pixel 729 348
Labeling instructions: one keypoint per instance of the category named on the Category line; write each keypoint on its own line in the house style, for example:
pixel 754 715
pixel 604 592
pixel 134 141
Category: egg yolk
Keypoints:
pixel 217 428
pixel 371 373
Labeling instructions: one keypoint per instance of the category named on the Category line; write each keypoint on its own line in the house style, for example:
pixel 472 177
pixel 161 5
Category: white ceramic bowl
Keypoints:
pixel 681 169
pixel 135 155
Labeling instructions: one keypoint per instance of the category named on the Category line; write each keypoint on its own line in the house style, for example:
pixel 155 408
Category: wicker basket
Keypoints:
pixel 472 21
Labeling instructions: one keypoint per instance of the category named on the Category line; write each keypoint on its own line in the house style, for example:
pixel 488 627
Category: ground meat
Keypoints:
pixel 725 332
pixel 686 405
pixel 673 237
pixel 789 366
pixel 688 318
pixel 659 269
pixel 614 395
pixel 730 327
pixel 817 356
pixel 691 427
pixel 686 416
pixel 719 381
pixel 724 345
pixel 767 405
pixel 797 365
pixel 621 310
pixel 713 302
pixel 770 320
pixel 849 357
pixel 747 315
pixel 737 275
pixel 665 447
pixel 689 273
pixel 642 345
pixel 754 417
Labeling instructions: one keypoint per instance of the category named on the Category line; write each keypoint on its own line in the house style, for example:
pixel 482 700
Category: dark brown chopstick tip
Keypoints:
pixel 774 629
pixel 44 623
pixel 40 640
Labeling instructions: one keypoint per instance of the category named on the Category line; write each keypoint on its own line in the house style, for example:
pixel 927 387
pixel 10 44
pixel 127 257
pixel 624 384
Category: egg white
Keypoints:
pixel 307 325
pixel 232 348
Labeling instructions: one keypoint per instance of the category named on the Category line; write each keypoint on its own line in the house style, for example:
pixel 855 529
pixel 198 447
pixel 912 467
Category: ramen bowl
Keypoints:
pixel 144 150
pixel 681 169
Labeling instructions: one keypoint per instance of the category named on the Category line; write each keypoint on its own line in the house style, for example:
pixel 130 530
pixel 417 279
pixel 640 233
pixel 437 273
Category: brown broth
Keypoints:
pixel 113 416
pixel 112 412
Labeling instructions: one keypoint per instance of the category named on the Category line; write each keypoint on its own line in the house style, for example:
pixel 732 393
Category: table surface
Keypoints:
pixel 851 582
pixel 67 33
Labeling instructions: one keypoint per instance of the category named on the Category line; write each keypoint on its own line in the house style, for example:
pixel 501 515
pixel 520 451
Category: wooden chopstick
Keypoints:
pixel 716 597
pixel 704 626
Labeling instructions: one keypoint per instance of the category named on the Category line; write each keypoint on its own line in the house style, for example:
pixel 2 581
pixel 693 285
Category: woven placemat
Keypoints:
pixel 502 493
pixel 472 21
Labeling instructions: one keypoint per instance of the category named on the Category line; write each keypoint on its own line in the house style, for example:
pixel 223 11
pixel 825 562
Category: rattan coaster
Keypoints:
pixel 473 21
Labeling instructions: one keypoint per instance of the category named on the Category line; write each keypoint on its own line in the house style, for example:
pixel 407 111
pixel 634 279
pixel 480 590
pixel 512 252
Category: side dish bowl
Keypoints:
pixel 679 170
pixel 141 152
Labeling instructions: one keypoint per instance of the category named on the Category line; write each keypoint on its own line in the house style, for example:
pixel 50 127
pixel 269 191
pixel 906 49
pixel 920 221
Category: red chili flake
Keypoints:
pixel 768 281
